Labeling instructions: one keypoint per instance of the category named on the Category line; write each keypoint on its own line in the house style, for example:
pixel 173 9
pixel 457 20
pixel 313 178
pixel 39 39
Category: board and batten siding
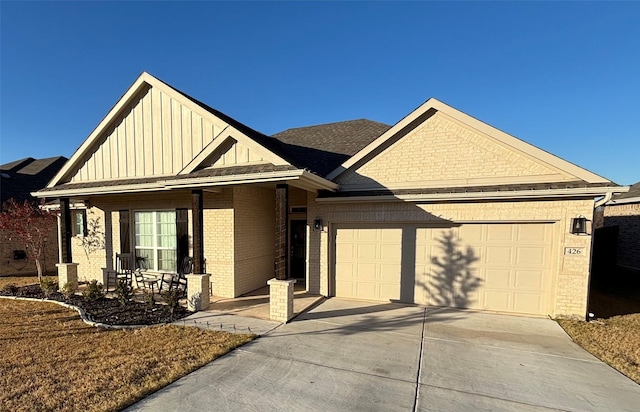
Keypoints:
pixel 157 135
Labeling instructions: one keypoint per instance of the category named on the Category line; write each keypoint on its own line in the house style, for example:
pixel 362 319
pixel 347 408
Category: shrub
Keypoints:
pixel 68 289
pixel 148 299
pixel 172 297
pixel 93 291
pixel 124 291
pixel 48 286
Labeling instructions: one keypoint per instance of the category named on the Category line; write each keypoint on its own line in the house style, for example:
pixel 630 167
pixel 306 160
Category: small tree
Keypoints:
pixel 29 225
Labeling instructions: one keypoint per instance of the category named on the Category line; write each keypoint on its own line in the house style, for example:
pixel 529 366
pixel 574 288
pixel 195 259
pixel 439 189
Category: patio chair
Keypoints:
pixel 143 280
pixel 178 281
pixel 124 267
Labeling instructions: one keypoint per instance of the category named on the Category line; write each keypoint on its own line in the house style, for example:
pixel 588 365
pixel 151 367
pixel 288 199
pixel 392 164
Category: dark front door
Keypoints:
pixel 298 244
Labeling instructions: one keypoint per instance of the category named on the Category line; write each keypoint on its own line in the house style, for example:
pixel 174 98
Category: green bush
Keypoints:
pixel 172 297
pixel 124 291
pixel 93 291
pixel 48 286
pixel 68 290
pixel 148 299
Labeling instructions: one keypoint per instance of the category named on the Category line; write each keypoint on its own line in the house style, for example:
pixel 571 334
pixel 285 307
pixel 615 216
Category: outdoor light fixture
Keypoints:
pixel 317 224
pixel 579 225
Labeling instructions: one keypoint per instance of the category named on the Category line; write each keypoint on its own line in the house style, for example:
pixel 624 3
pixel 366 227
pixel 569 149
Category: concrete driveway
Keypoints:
pixel 357 356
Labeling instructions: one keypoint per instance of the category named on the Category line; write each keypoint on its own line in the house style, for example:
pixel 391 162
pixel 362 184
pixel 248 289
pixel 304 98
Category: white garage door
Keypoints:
pixel 499 267
pixel 368 262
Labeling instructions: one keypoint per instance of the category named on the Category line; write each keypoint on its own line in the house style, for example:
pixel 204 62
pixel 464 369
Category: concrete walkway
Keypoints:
pixel 346 355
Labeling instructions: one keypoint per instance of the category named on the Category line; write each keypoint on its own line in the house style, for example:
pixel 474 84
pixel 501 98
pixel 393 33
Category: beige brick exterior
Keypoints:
pixel 238 235
pixel 570 273
pixel 254 237
pixel 442 152
pixel 90 263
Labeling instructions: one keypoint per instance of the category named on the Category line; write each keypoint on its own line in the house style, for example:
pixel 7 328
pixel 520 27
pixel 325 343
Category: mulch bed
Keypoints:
pixel 107 310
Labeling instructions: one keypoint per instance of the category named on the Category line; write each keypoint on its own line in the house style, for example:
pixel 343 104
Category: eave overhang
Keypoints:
pixel 507 195
pixel 298 177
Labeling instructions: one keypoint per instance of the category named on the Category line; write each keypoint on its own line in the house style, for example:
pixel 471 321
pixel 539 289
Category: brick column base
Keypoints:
pixel 67 273
pixel 198 292
pixel 281 299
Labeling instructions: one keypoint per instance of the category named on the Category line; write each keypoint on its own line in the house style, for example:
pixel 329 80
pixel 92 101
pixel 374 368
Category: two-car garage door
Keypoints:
pixel 491 266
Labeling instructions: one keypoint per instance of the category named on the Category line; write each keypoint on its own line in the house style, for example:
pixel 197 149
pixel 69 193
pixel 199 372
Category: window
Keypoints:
pixel 79 222
pixel 155 239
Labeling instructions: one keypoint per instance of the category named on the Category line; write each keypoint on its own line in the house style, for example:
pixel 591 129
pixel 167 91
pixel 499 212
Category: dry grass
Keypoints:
pixel 615 341
pixel 614 337
pixel 51 360
pixel 21 280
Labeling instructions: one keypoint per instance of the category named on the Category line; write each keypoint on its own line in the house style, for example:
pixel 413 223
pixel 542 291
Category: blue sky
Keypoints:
pixel 562 76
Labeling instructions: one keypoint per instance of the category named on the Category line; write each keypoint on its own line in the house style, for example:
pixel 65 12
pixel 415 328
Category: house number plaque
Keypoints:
pixel 574 251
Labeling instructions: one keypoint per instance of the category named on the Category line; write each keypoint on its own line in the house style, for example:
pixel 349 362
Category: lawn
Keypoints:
pixel 614 337
pixel 51 360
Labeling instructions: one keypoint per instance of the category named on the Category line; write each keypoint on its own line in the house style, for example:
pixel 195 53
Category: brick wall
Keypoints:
pixel 449 143
pixel 219 227
pixel 570 273
pixel 627 218
pixel 254 237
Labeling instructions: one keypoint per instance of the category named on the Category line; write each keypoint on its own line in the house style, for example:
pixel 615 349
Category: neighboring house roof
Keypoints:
pixel 21 177
pixel 632 196
pixel 324 147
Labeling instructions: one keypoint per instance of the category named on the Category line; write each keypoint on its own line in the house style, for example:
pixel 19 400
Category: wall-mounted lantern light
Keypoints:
pixel 317 224
pixel 579 225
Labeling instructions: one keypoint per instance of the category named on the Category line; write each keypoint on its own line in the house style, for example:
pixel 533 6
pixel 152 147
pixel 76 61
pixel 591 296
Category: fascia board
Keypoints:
pixel 306 178
pixel 444 197
pixel 380 140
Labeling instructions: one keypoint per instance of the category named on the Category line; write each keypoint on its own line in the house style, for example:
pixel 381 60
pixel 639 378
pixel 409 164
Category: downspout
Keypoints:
pixel 607 197
pixel 604 200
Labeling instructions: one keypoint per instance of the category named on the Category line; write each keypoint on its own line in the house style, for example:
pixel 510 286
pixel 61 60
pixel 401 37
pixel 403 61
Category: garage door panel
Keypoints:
pixel 390 252
pixel 531 303
pixel 497 278
pixel 471 233
pixel 533 233
pixel 529 279
pixel 497 300
pixel 530 256
pixel 498 255
pixel 497 233
pixel 345 251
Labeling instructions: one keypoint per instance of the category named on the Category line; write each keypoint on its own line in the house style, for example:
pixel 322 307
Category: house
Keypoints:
pixel 17 180
pixel 620 217
pixel 438 209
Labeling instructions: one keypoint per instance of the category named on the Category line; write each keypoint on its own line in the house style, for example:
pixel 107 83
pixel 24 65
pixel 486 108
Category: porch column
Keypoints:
pixel 198 281
pixel 282 215
pixel 65 228
pixel 198 231
pixel 67 270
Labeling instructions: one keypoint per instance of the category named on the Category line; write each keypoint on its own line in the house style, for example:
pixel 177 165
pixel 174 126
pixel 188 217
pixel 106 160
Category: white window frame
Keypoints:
pixel 153 266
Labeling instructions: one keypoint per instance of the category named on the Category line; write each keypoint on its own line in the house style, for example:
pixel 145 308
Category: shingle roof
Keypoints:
pixel 324 147
pixel 21 177
pixel 634 192
pixel 210 172
pixel 264 140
